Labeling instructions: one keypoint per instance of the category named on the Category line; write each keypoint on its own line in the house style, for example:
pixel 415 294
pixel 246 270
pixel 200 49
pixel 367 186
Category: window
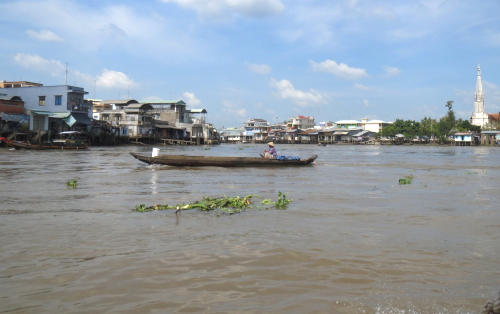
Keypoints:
pixel 58 100
pixel 41 100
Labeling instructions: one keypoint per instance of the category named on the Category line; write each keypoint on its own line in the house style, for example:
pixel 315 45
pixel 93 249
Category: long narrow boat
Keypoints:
pixel 73 140
pixel 25 145
pixel 216 161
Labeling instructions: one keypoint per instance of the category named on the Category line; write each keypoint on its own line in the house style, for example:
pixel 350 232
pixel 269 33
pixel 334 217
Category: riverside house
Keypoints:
pixel 157 121
pixel 51 109
pixel 256 131
pixel 11 112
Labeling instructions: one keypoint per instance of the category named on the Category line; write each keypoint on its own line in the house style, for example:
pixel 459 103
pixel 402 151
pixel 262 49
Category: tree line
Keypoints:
pixel 430 127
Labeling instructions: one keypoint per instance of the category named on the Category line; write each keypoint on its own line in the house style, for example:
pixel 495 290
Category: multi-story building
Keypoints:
pixel 255 130
pixel 60 102
pixel 301 122
pixel 161 119
pixel 133 120
pixel 348 124
pixel 231 135
pixel 5 84
pixel 375 126
pixel 11 112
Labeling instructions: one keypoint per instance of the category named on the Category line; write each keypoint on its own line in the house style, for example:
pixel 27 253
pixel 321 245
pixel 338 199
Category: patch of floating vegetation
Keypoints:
pixel 71 183
pixel 228 205
pixel 405 180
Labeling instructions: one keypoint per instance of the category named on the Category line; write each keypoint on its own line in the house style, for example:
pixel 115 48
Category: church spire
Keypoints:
pixel 478 95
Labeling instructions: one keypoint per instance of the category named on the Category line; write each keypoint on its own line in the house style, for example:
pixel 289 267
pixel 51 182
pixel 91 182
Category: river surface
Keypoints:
pixel 352 241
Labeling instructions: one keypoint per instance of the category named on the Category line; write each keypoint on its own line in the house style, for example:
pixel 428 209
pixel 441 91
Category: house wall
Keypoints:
pixel 30 96
pixel 11 107
pixel 373 127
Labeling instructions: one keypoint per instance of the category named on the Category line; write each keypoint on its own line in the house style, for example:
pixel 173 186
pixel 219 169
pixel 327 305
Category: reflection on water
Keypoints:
pixel 353 240
pixel 154 180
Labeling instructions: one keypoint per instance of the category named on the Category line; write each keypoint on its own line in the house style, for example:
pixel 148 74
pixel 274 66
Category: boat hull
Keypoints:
pixel 215 161
pixel 44 146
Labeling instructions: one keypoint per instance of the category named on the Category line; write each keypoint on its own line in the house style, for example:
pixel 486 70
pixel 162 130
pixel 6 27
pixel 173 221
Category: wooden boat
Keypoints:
pixel 73 140
pixel 26 145
pixel 216 161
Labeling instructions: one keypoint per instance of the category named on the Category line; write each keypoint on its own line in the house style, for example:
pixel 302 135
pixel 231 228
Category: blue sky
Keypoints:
pixel 270 59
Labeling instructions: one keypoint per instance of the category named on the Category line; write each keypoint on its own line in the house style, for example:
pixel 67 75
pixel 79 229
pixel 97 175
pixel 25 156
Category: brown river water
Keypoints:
pixel 352 241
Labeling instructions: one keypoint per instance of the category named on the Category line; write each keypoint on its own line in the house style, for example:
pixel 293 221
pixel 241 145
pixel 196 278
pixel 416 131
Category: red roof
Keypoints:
pixel 303 117
pixel 494 116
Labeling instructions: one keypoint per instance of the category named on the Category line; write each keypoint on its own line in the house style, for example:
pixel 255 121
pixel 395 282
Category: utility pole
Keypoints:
pixel 66 81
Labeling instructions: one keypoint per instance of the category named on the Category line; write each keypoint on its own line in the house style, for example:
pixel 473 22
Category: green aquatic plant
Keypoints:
pixel 72 183
pixel 282 201
pixel 405 180
pixel 228 205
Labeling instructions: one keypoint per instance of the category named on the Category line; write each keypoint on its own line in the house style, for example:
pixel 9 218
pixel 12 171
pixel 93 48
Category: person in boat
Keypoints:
pixel 270 153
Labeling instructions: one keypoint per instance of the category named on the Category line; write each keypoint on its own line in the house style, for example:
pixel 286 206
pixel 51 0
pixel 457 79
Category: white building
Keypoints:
pixel 301 122
pixel 60 101
pixel 373 125
pixel 348 124
pixel 479 117
pixel 256 130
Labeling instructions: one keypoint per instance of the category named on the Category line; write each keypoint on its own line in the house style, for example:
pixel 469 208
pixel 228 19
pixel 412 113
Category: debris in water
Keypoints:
pixel 71 184
pixel 406 180
pixel 227 205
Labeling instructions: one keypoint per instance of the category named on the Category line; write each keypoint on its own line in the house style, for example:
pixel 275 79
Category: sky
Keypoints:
pixel 270 59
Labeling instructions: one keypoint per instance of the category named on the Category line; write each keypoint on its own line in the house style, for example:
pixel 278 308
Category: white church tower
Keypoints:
pixel 479 117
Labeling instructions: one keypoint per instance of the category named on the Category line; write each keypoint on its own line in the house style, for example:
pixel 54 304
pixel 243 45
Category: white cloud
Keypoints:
pixel 107 79
pixel 120 27
pixel 253 8
pixel 340 70
pixel 191 99
pixel 114 79
pixel 259 68
pixel 391 71
pixel 286 90
pixel 43 35
pixel 36 62
pixel 235 110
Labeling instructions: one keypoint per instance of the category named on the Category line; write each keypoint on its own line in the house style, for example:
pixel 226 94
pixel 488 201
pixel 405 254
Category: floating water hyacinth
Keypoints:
pixel 71 183
pixel 228 205
pixel 406 180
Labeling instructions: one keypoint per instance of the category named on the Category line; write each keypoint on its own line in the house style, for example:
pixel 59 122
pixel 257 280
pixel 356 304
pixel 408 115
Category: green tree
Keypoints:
pixel 447 123
pixel 428 127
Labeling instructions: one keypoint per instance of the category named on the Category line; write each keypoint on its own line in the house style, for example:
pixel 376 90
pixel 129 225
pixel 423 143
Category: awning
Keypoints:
pixel 41 112
pixel 59 115
pixel 198 110
pixel 340 133
pixel 14 117
pixel 78 117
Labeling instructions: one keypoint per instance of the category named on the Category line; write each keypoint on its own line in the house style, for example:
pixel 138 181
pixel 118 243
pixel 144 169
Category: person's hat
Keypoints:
pixel 270 144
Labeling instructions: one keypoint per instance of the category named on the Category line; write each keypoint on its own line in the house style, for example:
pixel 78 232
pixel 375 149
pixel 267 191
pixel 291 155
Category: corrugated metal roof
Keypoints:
pixel 119 101
pixel 164 101
pixel 347 122
pixel 198 110
pixel 59 115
